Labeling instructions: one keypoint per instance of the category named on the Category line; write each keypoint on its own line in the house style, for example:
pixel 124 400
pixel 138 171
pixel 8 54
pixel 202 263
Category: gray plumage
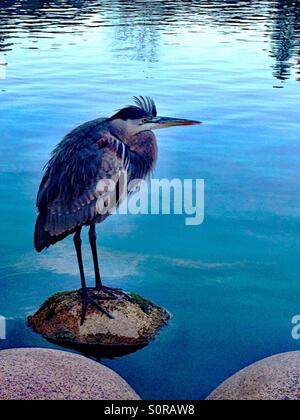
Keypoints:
pixel 67 197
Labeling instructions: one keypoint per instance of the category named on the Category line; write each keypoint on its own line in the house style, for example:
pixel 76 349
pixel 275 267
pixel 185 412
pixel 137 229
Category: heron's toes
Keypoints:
pixel 107 293
pixel 89 299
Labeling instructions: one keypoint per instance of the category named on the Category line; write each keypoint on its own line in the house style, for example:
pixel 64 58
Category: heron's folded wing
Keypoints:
pixel 78 184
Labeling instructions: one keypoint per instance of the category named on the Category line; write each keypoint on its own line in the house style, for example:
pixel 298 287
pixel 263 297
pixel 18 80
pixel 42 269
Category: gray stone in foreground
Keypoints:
pixel 42 374
pixel 275 378
pixel 136 321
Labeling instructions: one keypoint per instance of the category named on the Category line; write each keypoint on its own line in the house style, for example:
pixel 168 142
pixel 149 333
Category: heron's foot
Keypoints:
pixel 89 298
pixel 108 293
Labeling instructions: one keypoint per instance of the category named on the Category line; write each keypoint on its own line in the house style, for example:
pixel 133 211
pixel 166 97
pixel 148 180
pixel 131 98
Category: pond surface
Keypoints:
pixel 231 284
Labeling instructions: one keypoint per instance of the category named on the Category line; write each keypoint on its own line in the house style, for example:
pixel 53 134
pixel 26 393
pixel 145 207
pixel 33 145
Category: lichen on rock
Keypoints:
pixel 136 320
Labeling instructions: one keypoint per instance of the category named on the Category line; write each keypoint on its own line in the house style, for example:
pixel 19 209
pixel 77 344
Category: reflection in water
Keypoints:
pixel 138 24
pixel 144 37
pixel 285 37
pixel 100 352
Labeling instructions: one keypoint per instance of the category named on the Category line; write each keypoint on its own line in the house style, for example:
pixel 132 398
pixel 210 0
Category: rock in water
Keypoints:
pixel 135 321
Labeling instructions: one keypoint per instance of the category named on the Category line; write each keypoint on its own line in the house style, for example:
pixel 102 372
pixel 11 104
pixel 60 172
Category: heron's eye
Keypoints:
pixel 144 120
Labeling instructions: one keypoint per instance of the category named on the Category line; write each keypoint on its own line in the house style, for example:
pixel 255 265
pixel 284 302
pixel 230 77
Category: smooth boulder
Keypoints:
pixel 276 378
pixel 43 374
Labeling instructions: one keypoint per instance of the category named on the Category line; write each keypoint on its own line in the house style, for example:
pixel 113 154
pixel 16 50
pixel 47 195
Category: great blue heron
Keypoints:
pixel 72 194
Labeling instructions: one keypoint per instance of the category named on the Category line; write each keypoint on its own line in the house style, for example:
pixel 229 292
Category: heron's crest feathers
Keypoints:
pixel 147 104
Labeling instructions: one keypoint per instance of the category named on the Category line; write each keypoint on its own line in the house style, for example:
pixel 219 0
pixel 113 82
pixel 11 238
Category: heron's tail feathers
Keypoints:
pixel 42 238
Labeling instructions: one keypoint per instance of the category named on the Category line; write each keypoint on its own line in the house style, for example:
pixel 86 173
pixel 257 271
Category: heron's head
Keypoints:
pixel 143 117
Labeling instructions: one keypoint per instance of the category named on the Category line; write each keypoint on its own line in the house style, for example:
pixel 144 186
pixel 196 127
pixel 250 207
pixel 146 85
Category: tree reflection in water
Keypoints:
pixel 138 23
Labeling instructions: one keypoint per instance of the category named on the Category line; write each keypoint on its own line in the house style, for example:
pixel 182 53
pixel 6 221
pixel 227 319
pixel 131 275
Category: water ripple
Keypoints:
pixel 141 22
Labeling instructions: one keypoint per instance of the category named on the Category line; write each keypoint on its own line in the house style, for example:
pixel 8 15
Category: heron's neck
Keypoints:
pixel 144 144
pixel 120 129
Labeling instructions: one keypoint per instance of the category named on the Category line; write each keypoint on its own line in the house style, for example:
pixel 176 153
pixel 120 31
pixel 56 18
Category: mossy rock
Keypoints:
pixel 136 320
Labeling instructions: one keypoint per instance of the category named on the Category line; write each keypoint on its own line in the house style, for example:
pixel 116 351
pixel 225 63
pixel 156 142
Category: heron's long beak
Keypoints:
pixel 165 122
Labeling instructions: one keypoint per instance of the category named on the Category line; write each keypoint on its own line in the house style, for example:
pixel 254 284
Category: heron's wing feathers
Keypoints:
pixel 78 184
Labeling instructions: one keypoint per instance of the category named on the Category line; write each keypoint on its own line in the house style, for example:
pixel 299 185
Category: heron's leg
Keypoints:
pixel 99 285
pixel 93 243
pixel 78 245
pixel 86 299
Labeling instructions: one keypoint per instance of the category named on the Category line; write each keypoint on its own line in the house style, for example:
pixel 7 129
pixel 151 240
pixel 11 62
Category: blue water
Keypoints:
pixel 231 284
